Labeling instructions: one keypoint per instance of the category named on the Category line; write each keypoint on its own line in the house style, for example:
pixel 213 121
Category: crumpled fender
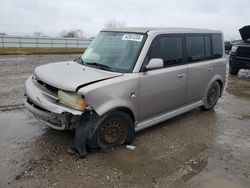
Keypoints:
pixel 83 133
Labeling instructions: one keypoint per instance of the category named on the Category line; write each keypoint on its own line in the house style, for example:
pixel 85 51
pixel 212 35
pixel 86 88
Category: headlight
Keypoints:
pixel 71 99
pixel 234 48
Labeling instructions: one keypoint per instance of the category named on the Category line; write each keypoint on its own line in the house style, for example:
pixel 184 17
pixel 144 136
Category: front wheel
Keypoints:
pixel 212 96
pixel 113 129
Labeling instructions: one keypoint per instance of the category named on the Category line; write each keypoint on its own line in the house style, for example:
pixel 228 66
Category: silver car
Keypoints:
pixel 128 80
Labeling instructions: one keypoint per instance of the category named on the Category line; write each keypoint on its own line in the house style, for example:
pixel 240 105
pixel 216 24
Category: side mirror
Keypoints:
pixel 155 63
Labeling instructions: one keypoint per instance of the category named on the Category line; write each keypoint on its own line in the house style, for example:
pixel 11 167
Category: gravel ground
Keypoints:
pixel 197 149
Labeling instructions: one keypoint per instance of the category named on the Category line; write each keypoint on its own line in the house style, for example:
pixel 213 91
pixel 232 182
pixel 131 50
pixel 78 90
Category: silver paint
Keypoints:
pixel 151 96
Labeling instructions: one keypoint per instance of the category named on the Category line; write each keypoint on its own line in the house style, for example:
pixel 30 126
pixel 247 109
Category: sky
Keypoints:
pixel 23 17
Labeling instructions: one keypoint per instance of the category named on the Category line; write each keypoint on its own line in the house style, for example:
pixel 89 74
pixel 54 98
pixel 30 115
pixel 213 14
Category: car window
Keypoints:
pixel 195 48
pixel 217 46
pixel 169 48
pixel 116 50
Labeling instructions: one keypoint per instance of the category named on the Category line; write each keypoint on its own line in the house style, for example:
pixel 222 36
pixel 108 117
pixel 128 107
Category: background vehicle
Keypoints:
pixel 228 46
pixel 128 80
pixel 240 53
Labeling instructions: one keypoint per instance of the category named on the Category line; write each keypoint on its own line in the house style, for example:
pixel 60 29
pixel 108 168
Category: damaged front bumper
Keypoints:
pixel 44 105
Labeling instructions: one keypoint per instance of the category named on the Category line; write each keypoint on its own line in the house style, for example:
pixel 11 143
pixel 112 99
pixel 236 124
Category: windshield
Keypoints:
pixel 114 51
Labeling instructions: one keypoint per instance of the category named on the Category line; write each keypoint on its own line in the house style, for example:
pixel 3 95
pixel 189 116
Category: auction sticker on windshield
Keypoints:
pixel 132 37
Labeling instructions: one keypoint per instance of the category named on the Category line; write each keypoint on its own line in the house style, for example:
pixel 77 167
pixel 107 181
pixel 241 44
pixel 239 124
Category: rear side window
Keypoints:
pixel 195 48
pixel 217 46
pixel 169 48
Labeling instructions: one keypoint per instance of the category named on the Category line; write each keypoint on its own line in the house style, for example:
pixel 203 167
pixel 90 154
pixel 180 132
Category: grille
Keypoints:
pixel 47 86
pixel 243 51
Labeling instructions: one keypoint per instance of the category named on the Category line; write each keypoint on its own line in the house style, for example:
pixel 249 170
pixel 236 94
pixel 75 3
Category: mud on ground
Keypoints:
pixel 197 149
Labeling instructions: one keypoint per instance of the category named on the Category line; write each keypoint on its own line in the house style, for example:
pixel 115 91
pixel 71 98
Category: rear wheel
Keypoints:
pixel 233 70
pixel 114 129
pixel 212 97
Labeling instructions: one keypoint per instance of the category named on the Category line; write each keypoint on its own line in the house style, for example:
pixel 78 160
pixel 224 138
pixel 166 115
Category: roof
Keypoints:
pixel 162 30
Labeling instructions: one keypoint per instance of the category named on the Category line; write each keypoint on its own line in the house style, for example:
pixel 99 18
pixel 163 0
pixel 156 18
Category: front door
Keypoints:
pixel 164 89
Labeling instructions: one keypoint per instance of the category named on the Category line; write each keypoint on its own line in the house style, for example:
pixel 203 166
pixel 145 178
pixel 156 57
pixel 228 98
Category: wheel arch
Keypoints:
pixel 124 109
pixel 218 79
pixel 221 86
pixel 110 107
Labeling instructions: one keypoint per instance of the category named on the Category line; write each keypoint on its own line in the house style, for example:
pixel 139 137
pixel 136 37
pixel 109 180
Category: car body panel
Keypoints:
pixel 166 115
pixel 199 74
pixel 162 90
pixel 70 75
pixel 119 92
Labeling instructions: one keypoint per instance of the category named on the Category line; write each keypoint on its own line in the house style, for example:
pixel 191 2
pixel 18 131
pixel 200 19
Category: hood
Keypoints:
pixel 70 76
pixel 245 32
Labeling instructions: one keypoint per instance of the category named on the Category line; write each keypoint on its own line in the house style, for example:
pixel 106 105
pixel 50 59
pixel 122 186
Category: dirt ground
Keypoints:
pixel 198 149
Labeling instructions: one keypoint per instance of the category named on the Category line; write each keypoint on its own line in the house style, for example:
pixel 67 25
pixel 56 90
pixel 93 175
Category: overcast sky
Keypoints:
pixel 23 17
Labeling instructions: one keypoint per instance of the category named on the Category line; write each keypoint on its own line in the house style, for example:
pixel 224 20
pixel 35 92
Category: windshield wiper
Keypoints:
pixel 101 66
pixel 79 60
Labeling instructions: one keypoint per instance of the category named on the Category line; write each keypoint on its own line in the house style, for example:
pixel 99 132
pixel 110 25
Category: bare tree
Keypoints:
pixel 73 33
pixel 112 24
pixel 3 34
pixel 39 34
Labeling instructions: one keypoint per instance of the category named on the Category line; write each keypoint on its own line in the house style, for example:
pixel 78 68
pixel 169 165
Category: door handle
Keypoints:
pixel 180 76
pixel 211 69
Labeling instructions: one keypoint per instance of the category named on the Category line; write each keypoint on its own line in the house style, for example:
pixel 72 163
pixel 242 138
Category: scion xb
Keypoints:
pixel 130 79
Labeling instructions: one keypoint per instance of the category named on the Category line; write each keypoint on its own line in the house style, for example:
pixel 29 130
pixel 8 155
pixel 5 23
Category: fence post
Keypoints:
pixel 20 44
pixel 2 42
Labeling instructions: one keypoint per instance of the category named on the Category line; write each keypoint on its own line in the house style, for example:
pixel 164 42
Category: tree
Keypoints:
pixel 39 34
pixel 73 33
pixel 113 24
pixel 3 34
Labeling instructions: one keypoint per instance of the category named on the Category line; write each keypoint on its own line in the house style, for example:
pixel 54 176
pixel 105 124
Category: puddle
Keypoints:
pixel 148 166
pixel 23 141
pixel 17 129
pixel 139 162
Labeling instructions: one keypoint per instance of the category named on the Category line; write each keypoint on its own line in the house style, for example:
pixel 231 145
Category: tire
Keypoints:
pixel 113 129
pixel 233 70
pixel 212 96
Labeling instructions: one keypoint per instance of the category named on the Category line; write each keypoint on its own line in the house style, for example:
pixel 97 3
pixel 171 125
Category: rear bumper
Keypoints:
pixel 45 107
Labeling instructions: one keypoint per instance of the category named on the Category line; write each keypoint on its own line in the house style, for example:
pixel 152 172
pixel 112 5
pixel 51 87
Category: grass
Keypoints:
pixel 30 51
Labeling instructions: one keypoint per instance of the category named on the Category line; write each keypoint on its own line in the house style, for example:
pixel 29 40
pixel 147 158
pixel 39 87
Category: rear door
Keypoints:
pixel 200 65
pixel 163 90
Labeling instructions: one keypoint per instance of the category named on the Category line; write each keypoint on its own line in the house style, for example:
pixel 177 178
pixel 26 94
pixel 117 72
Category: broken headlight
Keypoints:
pixel 71 99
